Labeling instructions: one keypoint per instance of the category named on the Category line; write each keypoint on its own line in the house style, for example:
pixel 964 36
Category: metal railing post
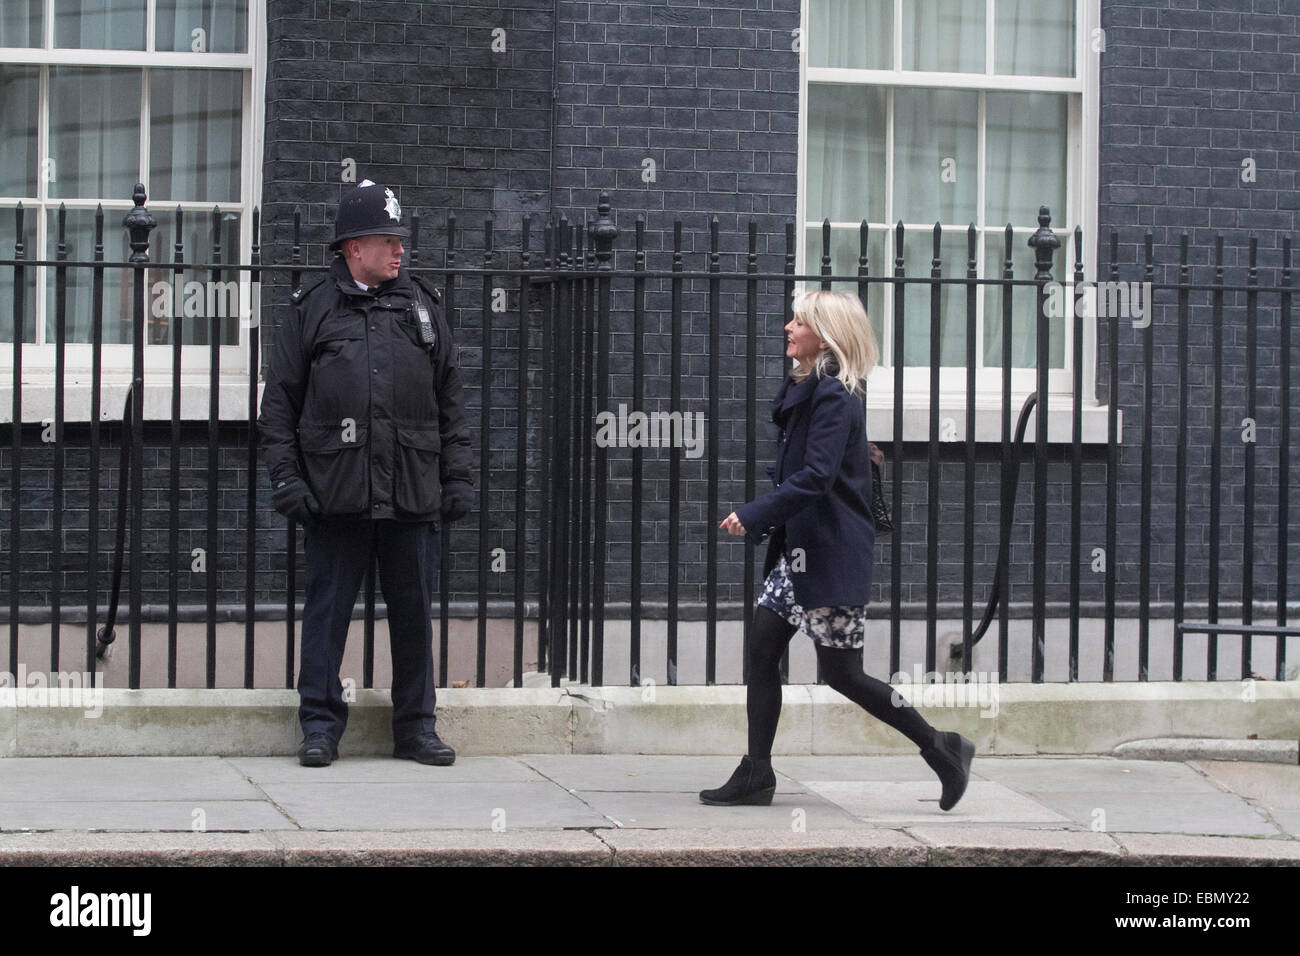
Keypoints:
pixel 1044 243
pixel 139 223
pixel 603 232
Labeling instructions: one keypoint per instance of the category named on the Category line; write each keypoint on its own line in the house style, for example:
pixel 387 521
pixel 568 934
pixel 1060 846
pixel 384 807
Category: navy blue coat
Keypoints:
pixel 818 513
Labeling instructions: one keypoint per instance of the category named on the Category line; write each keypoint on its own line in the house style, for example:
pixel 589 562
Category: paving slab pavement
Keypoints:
pixel 635 809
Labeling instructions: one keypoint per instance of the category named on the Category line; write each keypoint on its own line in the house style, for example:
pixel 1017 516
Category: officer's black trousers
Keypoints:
pixel 338 554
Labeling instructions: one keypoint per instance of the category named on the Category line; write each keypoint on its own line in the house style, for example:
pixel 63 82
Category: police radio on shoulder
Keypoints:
pixel 426 324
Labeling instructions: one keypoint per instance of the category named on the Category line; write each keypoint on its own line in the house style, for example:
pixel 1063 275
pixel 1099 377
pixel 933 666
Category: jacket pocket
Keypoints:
pixel 336 344
pixel 417 486
pixel 335 464
pixel 339 344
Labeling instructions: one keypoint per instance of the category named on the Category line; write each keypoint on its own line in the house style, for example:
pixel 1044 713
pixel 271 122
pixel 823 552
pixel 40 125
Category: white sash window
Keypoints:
pixel 96 95
pixel 956 112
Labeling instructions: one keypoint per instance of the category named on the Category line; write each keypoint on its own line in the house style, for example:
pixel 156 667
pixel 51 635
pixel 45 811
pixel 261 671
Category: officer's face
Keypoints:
pixel 373 259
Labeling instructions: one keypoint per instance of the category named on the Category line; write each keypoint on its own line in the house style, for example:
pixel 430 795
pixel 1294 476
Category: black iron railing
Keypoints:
pixel 563 575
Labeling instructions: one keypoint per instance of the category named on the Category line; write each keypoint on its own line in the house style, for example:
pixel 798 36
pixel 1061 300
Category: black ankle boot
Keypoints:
pixel 752 784
pixel 949 756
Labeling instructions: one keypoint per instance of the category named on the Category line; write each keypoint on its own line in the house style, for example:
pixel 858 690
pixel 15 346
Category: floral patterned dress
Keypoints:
pixel 841 626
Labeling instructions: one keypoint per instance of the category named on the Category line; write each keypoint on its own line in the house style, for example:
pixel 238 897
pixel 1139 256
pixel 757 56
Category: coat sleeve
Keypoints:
pixel 831 419
pixel 286 388
pixel 457 461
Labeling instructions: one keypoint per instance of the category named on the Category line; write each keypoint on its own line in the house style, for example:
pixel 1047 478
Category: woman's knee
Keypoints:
pixel 769 638
pixel 837 666
pixel 765 654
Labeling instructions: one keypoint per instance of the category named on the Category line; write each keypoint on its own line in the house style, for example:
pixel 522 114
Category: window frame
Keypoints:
pixel 39 356
pixel 1081 202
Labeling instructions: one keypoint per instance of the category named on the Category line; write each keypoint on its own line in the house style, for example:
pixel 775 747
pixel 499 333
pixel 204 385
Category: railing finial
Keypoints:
pixel 1044 243
pixel 139 222
pixel 603 232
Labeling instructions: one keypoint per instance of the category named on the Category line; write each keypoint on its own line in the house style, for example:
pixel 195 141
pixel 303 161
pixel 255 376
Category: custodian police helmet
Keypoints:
pixel 368 210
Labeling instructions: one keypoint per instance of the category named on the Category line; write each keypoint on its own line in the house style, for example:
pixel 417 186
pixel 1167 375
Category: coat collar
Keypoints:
pixel 794 393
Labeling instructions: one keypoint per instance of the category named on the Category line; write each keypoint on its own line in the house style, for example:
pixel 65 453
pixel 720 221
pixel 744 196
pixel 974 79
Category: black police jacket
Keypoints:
pixel 361 407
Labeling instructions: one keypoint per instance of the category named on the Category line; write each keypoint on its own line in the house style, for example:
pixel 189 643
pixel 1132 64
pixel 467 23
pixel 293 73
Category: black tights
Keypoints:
pixel 768 640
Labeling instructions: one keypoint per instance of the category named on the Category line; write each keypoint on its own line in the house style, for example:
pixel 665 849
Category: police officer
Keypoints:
pixel 362 425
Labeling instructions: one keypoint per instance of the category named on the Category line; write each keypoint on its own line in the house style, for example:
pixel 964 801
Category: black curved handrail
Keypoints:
pixel 1010 481
pixel 105 636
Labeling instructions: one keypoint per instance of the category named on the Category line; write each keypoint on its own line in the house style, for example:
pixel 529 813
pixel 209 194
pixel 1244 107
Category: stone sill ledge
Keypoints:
pixel 1004 719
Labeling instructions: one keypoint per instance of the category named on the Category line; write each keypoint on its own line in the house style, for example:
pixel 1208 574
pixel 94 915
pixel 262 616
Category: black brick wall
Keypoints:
pixel 709 92
pixel 1190 89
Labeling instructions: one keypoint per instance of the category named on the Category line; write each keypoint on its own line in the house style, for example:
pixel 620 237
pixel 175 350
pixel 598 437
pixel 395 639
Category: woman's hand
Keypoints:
pixel 731 524
pixel 877 455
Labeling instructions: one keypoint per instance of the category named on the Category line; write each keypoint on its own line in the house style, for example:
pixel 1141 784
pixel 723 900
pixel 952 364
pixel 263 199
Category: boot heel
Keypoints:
pixel 745 788
pixel 950 758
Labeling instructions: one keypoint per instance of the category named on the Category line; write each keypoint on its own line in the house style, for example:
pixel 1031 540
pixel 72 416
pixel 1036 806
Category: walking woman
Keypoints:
pixel 819 558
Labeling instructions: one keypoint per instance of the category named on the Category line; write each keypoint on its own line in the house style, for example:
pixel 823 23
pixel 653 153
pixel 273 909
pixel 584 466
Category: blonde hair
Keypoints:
pixel 839 320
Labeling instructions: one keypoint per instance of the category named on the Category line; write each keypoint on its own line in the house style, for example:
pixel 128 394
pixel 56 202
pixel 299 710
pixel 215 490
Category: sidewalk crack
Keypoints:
pixel 573 793
pixel 598 704
pixel 613 851
pixel 266 796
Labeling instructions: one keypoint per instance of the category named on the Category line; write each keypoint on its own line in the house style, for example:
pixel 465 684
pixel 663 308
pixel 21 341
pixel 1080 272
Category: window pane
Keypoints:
pixel 19 88
pixel 99 24
pixel 1026 148
pixel 857 34
pixel 845 248
pixel 936 152
pixel 943 35
pixel 189 305
pixel 8 228
pixel 1023 299
pixel 918 251
pixel 1034 37
pixel 21 22
pixel 94 131
pixel 846 153
pixel 196 134
pixel 80 242
pixel 223 25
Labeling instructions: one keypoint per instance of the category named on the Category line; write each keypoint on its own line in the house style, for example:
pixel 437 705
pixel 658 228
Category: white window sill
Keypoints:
pixel 38 407
pixel 38 399
pixel 988 420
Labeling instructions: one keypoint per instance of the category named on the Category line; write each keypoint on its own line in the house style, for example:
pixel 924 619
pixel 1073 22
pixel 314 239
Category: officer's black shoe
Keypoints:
pixel 318 750
pixel 425 748
pixel 949 756
pixel 752 784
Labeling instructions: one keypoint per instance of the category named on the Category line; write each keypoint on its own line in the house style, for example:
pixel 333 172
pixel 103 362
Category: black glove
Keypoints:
pixel 457 502
pixel 294 500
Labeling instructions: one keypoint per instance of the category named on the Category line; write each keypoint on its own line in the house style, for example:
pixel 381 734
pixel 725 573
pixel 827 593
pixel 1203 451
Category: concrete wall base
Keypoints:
pixel 1081 718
